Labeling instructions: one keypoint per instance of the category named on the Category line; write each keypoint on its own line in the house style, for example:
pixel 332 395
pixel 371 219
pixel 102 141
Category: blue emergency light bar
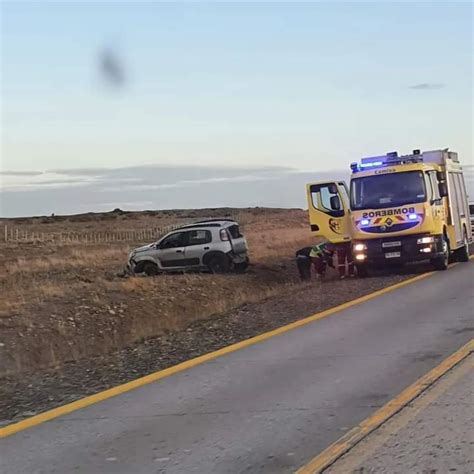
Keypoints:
pixel 391 158
pixel 371 164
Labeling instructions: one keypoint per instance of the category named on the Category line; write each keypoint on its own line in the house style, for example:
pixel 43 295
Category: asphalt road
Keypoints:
pixel 267 408
pixel 432 434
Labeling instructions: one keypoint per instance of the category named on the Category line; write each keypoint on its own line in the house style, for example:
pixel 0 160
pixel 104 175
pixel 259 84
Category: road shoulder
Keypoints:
pixel 433 433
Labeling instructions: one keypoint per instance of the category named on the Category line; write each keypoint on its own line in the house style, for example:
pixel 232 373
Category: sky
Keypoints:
pixel 235 103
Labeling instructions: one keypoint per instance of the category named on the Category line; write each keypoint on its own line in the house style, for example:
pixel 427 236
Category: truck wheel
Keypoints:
pixel 219 264
pixel 150 269
pixel 442 262
pixel 362 271
pixel 463 252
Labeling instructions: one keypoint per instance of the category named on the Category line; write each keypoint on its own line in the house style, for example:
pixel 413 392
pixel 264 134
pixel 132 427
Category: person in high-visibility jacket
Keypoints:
pixel 321 256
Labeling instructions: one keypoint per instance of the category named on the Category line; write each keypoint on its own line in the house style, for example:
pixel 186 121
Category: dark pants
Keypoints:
pixel 304 267
pixel 344 254
pixel 319 265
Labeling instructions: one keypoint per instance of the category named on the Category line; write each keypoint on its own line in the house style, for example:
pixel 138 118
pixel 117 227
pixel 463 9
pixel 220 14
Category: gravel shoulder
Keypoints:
pixel 433 434
pixel 24 396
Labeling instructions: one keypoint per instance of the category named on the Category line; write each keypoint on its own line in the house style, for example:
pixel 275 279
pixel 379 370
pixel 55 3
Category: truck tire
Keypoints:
pixel 150 269
pixel 219 264
pixel 462 254
pixel 441 263
pixel 362 271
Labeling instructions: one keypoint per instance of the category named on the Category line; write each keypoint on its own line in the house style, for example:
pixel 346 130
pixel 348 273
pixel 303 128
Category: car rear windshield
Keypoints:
pixel 234 232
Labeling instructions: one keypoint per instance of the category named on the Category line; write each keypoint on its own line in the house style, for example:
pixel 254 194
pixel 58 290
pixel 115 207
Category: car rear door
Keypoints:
pixel 197 243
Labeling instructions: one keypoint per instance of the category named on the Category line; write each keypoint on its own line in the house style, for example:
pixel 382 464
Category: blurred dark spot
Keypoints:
pixel 111 68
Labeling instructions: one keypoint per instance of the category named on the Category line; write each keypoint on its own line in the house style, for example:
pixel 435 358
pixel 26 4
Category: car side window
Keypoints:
pixel 198 237
pixel 173 241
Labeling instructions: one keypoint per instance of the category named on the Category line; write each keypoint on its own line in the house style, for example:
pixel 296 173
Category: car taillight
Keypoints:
pixel 224 235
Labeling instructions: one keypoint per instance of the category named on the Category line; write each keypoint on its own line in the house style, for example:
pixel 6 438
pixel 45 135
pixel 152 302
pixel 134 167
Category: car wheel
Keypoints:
pixel 463 252
pixel 442 262
pixel 150 268
pixel 218 264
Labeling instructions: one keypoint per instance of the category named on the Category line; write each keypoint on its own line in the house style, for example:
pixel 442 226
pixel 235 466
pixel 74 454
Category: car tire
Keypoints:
pixel 150 268
pixel 463 252
pixel 219 264
pixel 441 263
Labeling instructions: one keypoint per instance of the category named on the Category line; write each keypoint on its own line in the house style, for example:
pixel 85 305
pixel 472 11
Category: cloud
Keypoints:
pixel 424 86
pixel 21 173
pixel 157 187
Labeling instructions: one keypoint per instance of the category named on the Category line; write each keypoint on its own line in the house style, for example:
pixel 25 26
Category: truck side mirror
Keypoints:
pixel 443 189
pixel 335 203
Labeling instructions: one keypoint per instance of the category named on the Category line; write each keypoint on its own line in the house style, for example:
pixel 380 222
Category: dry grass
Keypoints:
pixel 47 289
pixel 70 258
pixel 268 243
pixel 96 312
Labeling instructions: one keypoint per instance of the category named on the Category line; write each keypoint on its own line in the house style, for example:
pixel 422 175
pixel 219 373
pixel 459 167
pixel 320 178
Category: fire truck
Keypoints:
pixel 397 209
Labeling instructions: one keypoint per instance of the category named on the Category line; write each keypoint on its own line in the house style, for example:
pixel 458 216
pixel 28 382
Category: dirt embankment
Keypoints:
pixel 33 393
pixel 64 303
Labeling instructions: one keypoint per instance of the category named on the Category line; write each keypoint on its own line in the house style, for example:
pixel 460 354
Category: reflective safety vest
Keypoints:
pixel 319 250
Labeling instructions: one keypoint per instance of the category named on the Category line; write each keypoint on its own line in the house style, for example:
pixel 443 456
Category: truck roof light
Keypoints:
pixel 416 152
pixel 371 164
pixel 393 154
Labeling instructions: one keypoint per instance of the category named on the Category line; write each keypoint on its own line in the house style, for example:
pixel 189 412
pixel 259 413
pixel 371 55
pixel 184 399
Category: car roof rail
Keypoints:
pixel 196 224
pixel 216 220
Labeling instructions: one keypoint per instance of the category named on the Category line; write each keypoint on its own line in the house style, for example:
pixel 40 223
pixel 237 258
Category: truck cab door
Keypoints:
pixel 328 204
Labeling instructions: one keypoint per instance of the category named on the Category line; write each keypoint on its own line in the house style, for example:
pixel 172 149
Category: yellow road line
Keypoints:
pixel 140 382
pixel 330 455
pixel 364 451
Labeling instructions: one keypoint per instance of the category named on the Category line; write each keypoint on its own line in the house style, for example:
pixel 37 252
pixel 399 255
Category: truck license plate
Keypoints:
pixel 392 254
pixel 392 244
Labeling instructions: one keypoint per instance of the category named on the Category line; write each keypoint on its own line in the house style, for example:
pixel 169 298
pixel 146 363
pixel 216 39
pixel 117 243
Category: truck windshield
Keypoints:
pixel 387 190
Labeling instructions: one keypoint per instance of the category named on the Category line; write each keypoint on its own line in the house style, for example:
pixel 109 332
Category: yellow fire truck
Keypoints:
pixel 398 209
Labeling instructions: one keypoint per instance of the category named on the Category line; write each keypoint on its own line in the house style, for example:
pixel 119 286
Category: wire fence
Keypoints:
pixel 12 234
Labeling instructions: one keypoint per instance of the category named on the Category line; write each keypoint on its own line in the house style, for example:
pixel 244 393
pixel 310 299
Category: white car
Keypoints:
pixel 216 245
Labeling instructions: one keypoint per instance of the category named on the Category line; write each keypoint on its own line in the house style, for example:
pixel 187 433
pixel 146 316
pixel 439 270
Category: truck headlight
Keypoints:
pixel 360 247
pixel 426 240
